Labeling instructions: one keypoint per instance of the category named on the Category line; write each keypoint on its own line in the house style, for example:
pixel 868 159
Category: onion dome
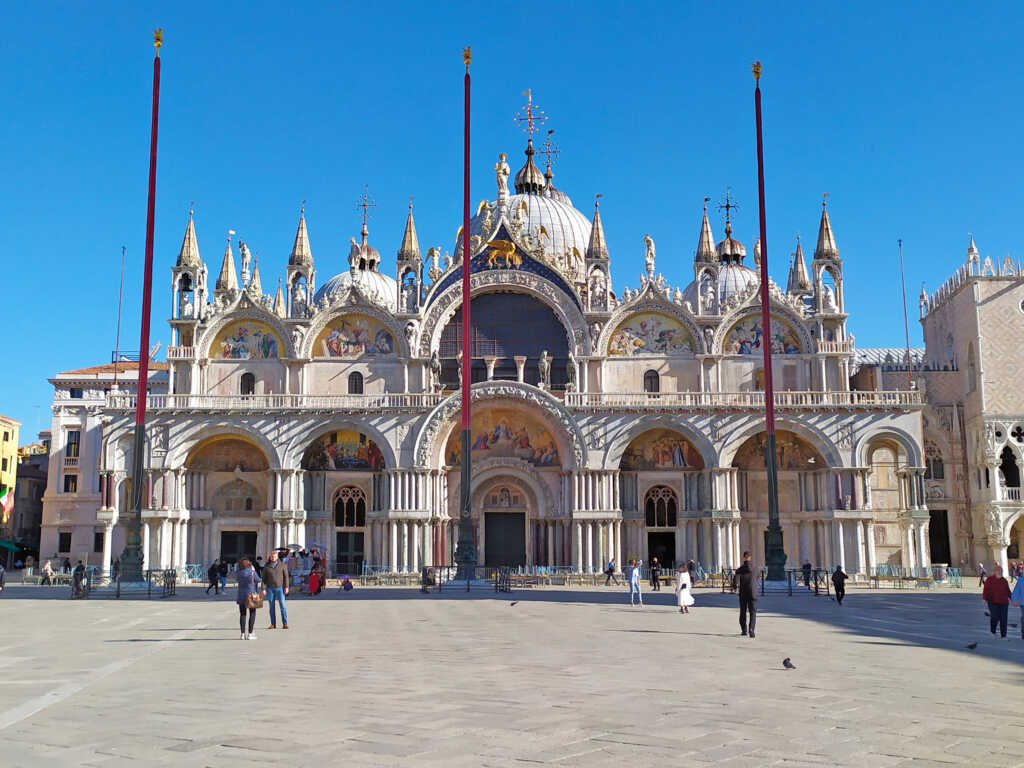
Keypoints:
pixel 730 280
pixel 730 251
pixel 188 256
pixel 529 180
pixel 363 274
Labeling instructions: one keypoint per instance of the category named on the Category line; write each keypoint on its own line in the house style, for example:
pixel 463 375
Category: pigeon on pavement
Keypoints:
pixel 972 646
pixel 514 602
pixel 788 664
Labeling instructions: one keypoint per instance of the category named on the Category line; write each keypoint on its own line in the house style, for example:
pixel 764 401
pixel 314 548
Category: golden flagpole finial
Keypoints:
pixel 467 56
pixel 756 69
pixel 158 39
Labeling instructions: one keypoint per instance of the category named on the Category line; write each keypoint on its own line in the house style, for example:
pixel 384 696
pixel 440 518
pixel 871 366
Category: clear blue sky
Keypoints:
pixel 906 114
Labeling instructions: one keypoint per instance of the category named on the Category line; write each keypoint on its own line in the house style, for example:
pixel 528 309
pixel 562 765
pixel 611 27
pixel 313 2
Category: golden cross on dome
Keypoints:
pixel 550 149
pixel 530 118
pixel 366 202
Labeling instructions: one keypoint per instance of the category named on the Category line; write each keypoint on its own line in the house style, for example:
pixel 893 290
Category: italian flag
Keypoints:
pixel 6 501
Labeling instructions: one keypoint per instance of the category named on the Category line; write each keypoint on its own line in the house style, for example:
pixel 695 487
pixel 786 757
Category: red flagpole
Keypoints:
pixel 465 552
pixel 775 556
pixel 133 557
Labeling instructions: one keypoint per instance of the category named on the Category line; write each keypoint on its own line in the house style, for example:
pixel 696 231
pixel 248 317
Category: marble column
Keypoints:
pixel 415 546
pixel 107 532
pixel 922 545
pixel 869 536
pixel 577 550
pixel 618 545
pixel 589 534
pixel 859 559
pixel 393 562
pixel 840 548
pixel 404 547
pixel 717 562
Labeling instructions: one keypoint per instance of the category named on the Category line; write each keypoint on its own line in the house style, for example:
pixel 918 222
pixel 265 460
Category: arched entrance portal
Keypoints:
pixel 504 509
pixel 350 529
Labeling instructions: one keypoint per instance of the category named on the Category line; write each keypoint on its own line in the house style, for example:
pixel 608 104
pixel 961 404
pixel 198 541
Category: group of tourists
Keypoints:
pixel 271 581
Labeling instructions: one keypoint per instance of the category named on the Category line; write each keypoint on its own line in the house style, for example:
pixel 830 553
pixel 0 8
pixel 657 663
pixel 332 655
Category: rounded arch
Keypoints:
pixel 741 334
pixel 817 439
pixel 295 449
pixel 649 304
pixel 246 310
pixel 794 452
pixel 444 306
pixel 491 472
pixel 435 429
pixel 904 442
pixel 618 443
pixel 225 453
pixel 183 447
pixel 323 319
pixel 347 448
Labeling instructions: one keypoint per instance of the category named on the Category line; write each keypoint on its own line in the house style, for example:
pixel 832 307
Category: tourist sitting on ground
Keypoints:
pixel 346 584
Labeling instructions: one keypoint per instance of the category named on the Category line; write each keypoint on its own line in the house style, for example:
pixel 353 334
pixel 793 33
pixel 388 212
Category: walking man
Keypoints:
pixel 213 576
pixel 807 573
pixel 1017 598
pixel 609 573
pixel 744 580
pixel 222 572
pixel 839 578
pixel 275 587
pixel 982 574
pixel 634 583
pixel 997 594
pixel 655 573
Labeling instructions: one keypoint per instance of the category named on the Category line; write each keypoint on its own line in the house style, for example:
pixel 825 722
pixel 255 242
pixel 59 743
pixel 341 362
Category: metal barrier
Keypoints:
pixel 500 579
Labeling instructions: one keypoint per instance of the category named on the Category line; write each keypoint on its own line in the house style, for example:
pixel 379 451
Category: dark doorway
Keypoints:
pixel 505 538
pixel 350 553
pixel 662 545
pixel 234 545
pixel 938 536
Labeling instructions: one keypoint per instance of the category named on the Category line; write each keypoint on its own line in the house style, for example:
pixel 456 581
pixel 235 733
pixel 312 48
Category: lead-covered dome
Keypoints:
pixel 380 288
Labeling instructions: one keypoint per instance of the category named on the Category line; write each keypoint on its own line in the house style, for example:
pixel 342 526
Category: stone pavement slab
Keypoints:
pixel 390 676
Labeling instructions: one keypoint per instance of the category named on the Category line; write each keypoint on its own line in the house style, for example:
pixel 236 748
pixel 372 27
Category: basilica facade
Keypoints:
pixel 608 423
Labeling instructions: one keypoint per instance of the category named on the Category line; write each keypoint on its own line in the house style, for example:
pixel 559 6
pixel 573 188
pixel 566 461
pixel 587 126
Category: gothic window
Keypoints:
pixel 247 384
pixel 652 382
pixel 935 469
pixel 350 507
pixel 1009 471
pixel 1017 434
pixel 355 383
pixel 660 507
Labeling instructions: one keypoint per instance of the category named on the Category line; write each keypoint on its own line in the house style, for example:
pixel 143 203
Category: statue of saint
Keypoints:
pixel 828 299
pixel 649 255
pixel 544 366
pixel 187 309
pixel 246 262
pixel 458 359
pixel 707 298
pixel 502 171
pixel 435 371
pixel 570 373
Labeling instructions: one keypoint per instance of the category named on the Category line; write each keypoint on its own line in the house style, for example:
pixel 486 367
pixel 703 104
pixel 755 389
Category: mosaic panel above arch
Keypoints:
pixel 792 451
pixel 501 432
pixel 352 336
pixel 747 336
pixel 660 449
pixel 227 455
pixel 650 333
pixel 246 340
pixel 238 497
pixel 343 449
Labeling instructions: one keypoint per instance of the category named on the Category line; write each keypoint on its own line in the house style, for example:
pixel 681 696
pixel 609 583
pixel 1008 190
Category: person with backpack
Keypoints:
pixel 222 571
pixel 839 578
pixel 609 574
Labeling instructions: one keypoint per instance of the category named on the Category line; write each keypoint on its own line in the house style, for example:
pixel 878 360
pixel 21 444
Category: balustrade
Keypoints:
pixel 282 402
pixel 656 400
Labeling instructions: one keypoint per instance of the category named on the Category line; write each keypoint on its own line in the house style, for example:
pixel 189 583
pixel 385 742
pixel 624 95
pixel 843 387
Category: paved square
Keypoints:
pixel 388 676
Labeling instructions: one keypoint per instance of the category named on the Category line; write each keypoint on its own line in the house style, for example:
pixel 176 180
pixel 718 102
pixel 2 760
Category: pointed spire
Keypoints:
pixel 410 248
pixel 826 248
pixel 799 280
pixel 972 249
pixel 188 256
pixel 706 241
pixel 279 308
pixel 228 279
pixel 597 248
pixel 302 254
pixel 255 287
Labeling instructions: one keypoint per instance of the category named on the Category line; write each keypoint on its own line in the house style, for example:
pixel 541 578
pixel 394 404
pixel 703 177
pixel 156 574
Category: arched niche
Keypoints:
pixel 226 453
pixel 746 336
pixel 247 340
pixel 660 449
pixel 793 453
pixel 651 333
pixel 505 432
pixel 353 336
pixel 344 450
